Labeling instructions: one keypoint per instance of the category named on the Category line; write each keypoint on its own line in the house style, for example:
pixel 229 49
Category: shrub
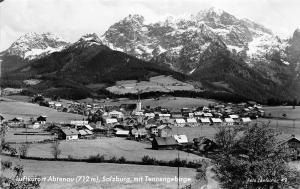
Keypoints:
pixel 149 161
pixel 56 151
pixel 97 158
pixel 122 160
pixel 23 150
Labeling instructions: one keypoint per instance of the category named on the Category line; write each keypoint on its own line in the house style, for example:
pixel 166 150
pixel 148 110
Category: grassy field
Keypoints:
pixel 11 108
pixel 74 169
pixel 173 103
pixel 131 150
pixel 159 83
pixel 285 126
pixel 278 111
pixel 11 137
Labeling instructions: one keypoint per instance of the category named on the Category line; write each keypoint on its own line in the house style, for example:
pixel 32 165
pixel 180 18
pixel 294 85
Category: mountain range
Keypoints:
pixel 212 49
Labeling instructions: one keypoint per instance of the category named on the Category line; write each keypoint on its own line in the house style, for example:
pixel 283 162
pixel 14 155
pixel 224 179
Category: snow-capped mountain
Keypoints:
pixel 34 45
pixel 180 41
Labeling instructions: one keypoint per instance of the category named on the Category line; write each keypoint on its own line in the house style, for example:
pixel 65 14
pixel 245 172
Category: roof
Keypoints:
pixel 70 131
pixel 164 115
pixel 165 141
pixel 88 131
pixel 122 132
pixel 246 119
pixel 282 138
pixel 164 127
pixel 207 115
pixel 149 114
pixel 89 127
pixel 109 120
pixel 205 120
pixel 82 132
pixel 198 113
pixel 216 120
pixel 229 120
pixel 116 112
pixel 234 116
pixel 181 138
pixel 79 122
pixel 191 120
pixel 179 120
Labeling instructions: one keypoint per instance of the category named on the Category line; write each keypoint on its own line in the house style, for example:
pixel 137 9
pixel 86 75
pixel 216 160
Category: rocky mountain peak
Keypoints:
pixel 33 45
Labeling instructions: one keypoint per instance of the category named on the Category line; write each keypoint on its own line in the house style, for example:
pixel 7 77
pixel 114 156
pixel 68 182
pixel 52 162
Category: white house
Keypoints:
pixel 205 121
pixel 192 122
pixel 111 121
pixel 245 120
pixel 229 121
pixel 79 122
pixel 180 122
pixel 116 114
pixel 216 121
pixel 207 115
pixel 181 139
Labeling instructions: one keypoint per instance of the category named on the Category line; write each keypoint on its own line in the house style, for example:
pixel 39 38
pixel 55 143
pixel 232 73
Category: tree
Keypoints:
pixel 23 150
pixel 255 159
pixel 15 172
pixel 56 151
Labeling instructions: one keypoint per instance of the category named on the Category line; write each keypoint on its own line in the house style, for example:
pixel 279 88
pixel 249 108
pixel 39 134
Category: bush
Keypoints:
pixel 113 159
pixel 97 158
pixel 122 160
pixel 147 160
pixel 23 150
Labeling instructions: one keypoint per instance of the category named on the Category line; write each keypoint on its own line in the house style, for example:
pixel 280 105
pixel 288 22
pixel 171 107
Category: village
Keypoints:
pixel 157 125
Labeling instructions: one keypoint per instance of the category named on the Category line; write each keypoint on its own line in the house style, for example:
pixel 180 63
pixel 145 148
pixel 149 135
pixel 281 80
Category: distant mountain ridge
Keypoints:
pixel 212 49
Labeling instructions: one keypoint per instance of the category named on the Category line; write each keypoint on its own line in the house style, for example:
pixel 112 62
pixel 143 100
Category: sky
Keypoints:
pixel 71 19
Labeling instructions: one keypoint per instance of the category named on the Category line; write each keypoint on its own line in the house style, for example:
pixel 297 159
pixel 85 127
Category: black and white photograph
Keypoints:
pixel 149 94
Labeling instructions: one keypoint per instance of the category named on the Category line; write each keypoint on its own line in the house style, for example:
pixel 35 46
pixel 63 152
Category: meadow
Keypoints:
pixel 11 108
pixel 109 147
pixel 100 170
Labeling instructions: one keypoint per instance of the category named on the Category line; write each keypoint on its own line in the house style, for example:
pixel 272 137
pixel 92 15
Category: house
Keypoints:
pixel 164 131
pixel 1 118
pixel 198 114
pixel 150 123
pixel 121 132
pixel 34 125
pixel 205 121
pixel 180 122
pixel 181 139
pixel 68 134
pixel 192 122
pixel 176 115
pixel 89 127
pixel 16 122
pixel 79 123
pixel 139 131
pixel 164 143
pixel 150 115
pixel 204 144
pixel 82 133
pixel 116 114
pixel 154 130
pixel 235 117
pixel 168 122
pixel 208 115
pixel 293 142
pixel 164 116
pixel 245 120
pixel 229 121
pixel 42 119
pixel 111 121
pixel 216 121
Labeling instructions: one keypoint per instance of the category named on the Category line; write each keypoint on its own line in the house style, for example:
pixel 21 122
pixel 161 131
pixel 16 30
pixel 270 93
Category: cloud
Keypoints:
pixel 73 18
